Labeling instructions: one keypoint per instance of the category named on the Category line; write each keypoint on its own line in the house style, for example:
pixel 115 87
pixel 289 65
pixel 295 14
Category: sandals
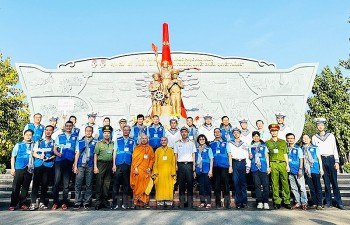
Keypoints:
pixel 202 205
pixel 208 206
pixel 64 207
pixel 24 207
pixel 12 208
pixel 54 206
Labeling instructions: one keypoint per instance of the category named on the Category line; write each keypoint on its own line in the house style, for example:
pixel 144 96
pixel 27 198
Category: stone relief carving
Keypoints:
pixel 118 86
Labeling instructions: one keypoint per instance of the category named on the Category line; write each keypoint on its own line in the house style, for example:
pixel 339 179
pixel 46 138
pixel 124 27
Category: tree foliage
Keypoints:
pixel 13 109
pixel 330 99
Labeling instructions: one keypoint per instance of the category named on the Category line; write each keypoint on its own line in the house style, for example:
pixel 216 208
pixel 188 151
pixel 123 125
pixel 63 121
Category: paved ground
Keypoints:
pixel 285 217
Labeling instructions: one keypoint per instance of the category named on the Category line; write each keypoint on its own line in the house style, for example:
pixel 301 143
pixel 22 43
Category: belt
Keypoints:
pixel 327 156
pixel 278 161
pixel 104 161
pixel 239 160
pixel 185 162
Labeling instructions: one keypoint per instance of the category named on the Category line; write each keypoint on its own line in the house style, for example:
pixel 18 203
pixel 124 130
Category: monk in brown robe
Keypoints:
pixel 141 171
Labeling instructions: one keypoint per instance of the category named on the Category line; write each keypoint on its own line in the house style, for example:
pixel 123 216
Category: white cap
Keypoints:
pixel 320 120
pixel 280 114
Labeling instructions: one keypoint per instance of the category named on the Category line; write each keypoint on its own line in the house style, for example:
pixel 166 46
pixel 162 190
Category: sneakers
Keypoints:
pixel 32 207
pixel 12 208
pixel 260 205
pixel 114 207
pixel 86 207
pixel 319 207
pixel 124 206
pixel 42 206
pixel 76 207
pixel 266 206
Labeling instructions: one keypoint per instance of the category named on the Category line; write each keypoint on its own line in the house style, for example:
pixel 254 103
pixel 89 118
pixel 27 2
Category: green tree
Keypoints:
pixel 330 99
pixel 13 109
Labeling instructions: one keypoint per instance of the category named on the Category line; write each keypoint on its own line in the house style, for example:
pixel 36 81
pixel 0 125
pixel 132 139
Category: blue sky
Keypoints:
pixel 284 32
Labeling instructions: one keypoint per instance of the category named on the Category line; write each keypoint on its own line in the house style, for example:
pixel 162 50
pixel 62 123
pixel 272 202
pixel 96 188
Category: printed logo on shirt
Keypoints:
pixel 294 151
pixel 223 144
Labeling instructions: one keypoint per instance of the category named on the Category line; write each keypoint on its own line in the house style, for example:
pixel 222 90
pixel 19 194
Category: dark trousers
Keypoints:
pixel 63 171
pixel 103 180
pixel 204 188
pixel 330 177
pixel 87 172
pixel 261 179
pixel 41 178
pixel 122 176
pixel 185 180
pixel 20 187
pixel 240 181
pixel 314 183
pixel 221 177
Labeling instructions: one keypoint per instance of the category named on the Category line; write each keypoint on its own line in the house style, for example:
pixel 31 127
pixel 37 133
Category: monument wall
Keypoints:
pixel 118 86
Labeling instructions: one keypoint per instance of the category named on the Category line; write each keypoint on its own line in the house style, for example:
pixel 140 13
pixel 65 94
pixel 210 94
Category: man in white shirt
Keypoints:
pixel 330 160
pixel 173 134
pixel 284 129
pixel 91 123
pixel 119 132
pixel 246 134
pixel 185 150
pixel 240 166
pixel 207 128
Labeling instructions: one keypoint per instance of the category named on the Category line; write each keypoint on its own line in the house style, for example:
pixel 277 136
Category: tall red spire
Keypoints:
pixel 166 56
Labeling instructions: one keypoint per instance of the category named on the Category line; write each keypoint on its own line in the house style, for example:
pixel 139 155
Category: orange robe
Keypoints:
pixel 142 158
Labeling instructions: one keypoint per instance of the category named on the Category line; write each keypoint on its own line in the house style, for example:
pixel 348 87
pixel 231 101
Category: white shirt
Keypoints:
pixel 246 136
pixel 283 131
pixel 173 136
pixel 117 134
pixel 326 144
pixel 208 131
pixel 239 151
pixel 184 150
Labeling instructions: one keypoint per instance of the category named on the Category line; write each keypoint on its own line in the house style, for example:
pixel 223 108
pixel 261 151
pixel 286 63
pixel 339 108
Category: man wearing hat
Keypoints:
pixel 53 122
pixel 36 127
pixel 64 150
pixel 119 132
pixel 185 151
pixel 246 134
pixel 91 122
pixel 207 128
pixel 173 134
pixel 284 129
pixel 103 157
pixel 106 122
pixel 278 154
pixel 330 161
pixel 240 166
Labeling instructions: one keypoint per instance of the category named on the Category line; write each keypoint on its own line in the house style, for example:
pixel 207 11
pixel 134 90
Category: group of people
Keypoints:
pixel 143 159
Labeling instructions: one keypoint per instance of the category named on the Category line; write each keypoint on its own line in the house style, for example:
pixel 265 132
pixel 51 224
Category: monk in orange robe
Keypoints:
pixel 141 171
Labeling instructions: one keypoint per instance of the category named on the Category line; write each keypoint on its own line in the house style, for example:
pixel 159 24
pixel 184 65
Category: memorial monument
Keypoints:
pixel 129 84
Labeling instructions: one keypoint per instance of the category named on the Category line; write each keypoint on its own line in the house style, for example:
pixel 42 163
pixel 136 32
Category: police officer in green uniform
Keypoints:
pixel 278 154
pixel 103 167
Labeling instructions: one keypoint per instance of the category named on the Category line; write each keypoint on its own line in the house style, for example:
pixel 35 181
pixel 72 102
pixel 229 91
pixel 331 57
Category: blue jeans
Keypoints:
pixel 204 188
pixel 261 179
pixel 298 188
pixel 314 183
pixel 87 172
pixel 240 181
pixel 63 170
pixel 330 177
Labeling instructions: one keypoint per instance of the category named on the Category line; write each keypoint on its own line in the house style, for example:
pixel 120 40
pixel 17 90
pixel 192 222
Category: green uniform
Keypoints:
pixel 104 152
pixel 277 150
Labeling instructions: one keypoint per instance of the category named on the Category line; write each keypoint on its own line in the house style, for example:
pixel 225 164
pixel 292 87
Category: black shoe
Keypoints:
pixel 288 206
pixel 340 207
pixel 86 207
pixel 277 206
pixel 97 207
pixel 76 207
pixel 238 206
